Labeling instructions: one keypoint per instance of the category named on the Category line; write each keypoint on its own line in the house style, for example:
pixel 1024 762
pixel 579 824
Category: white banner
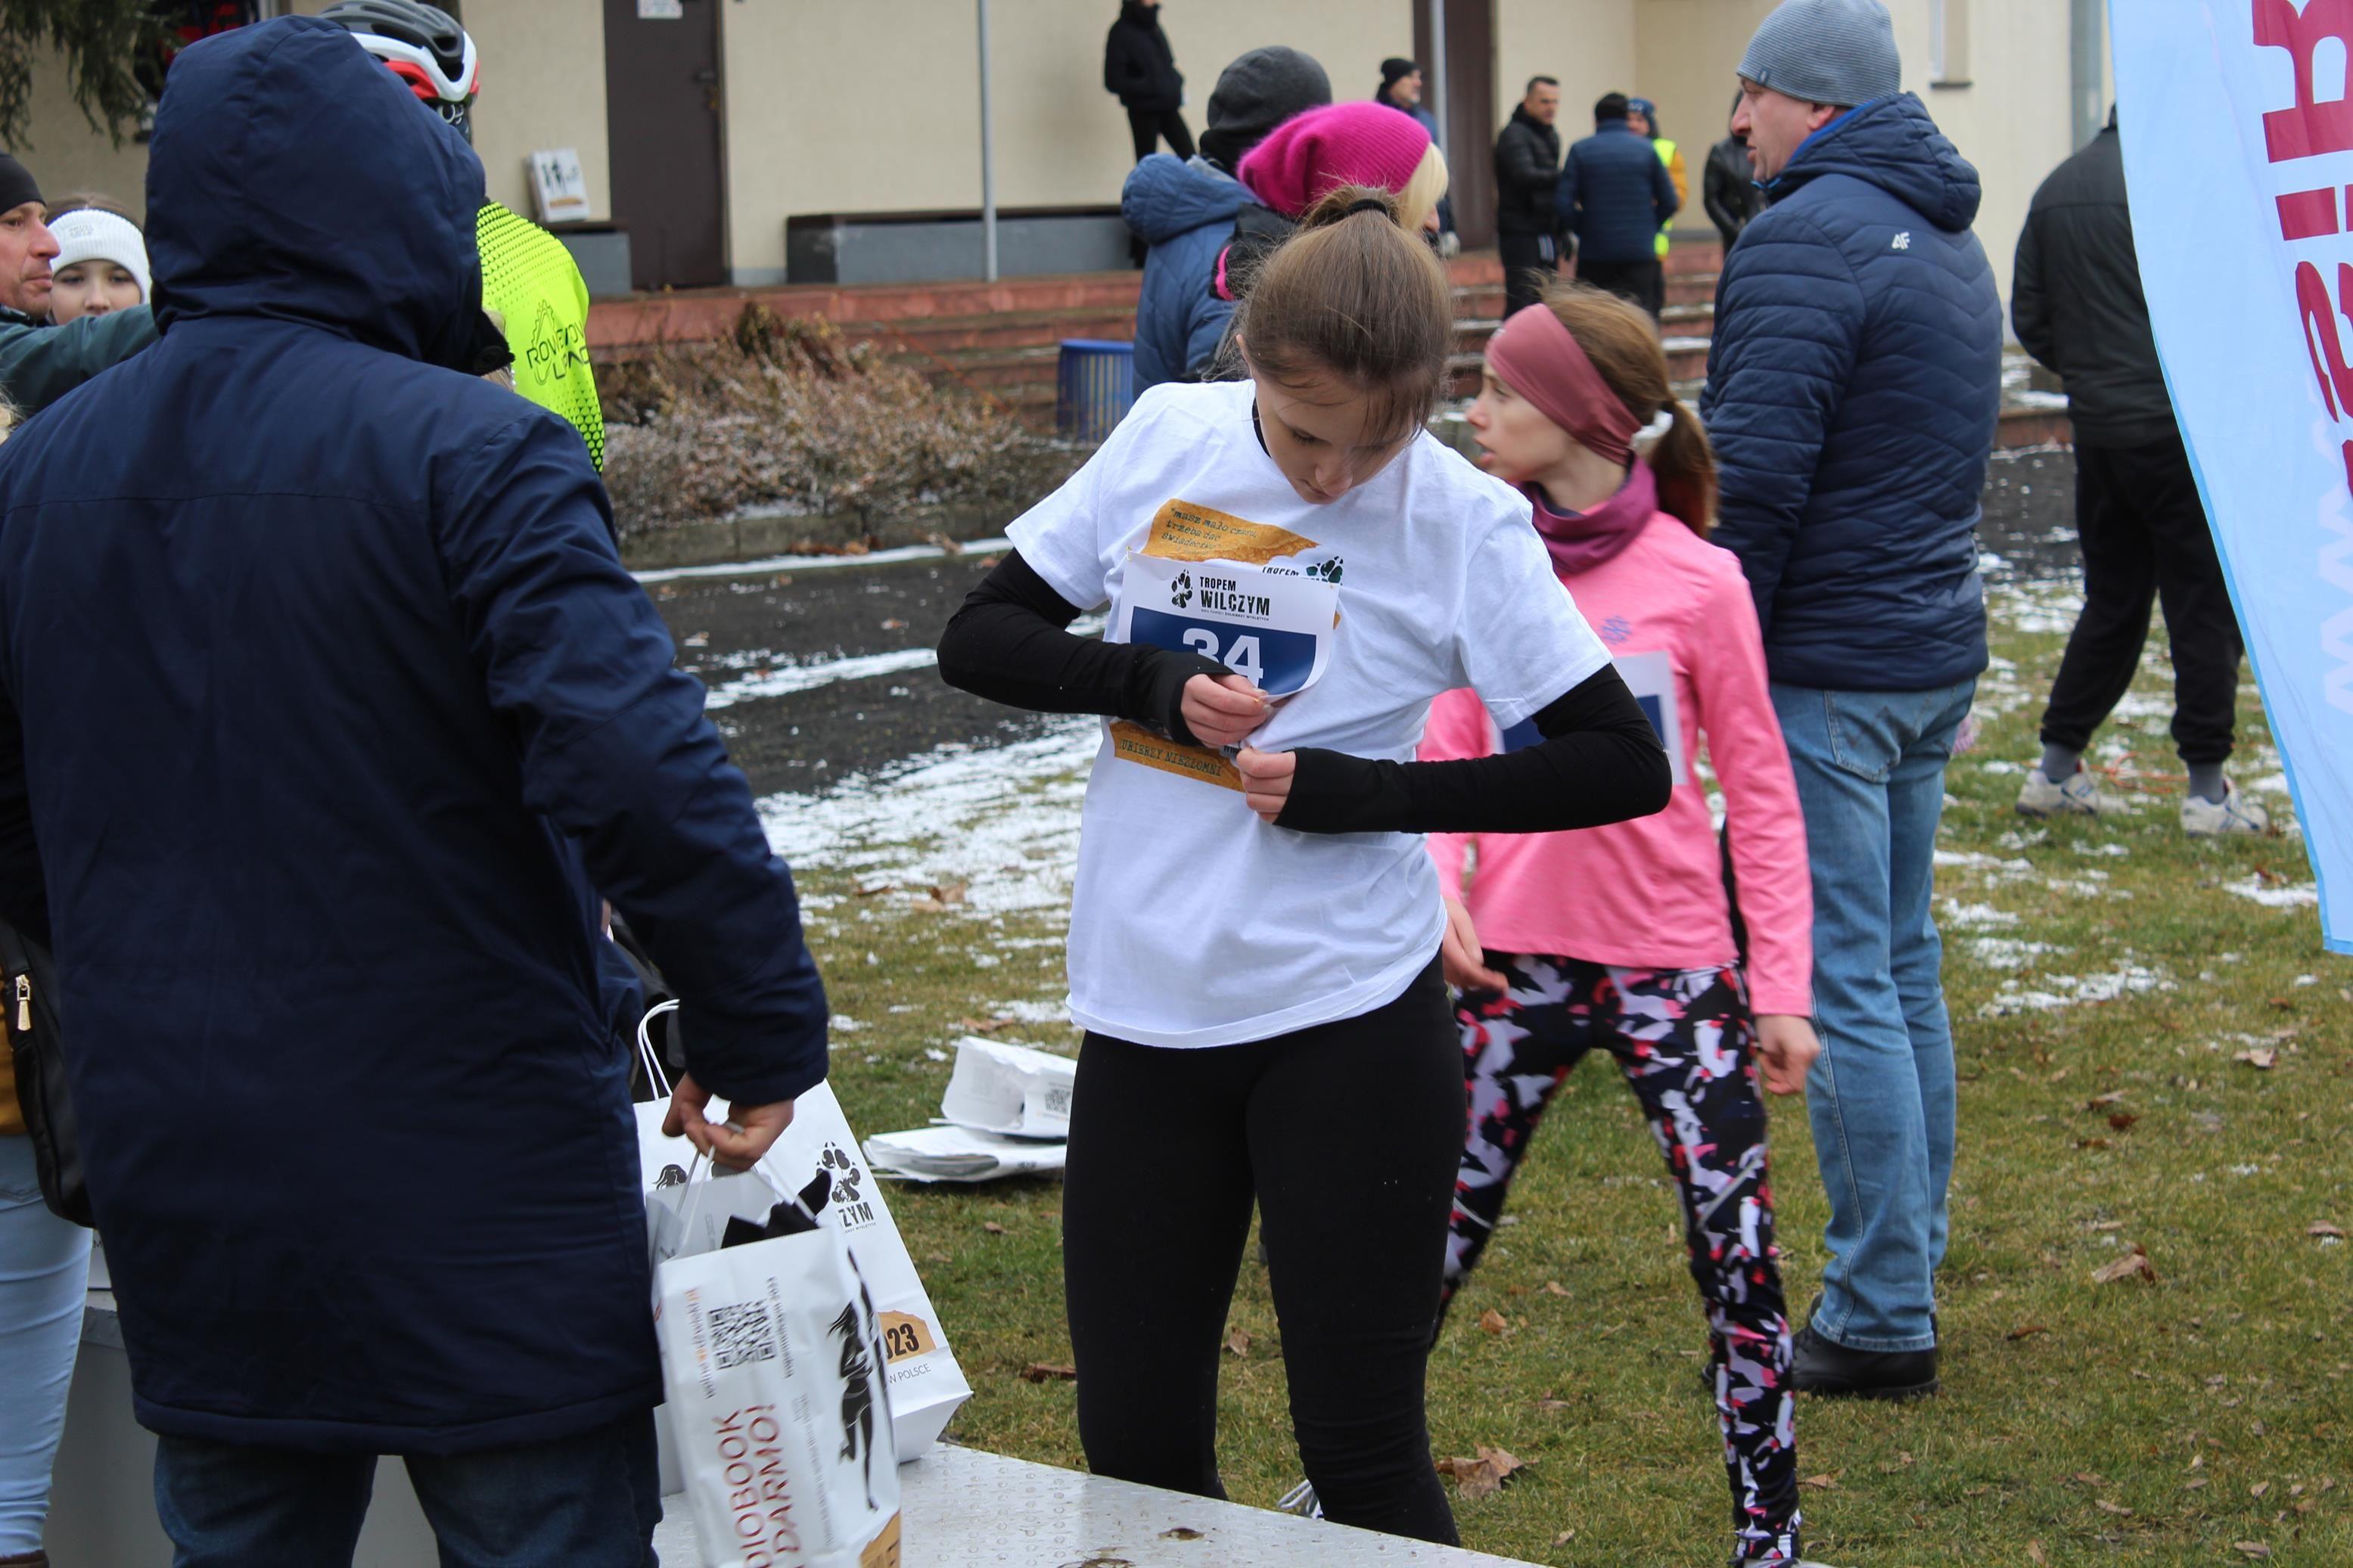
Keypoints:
pixel 2239 163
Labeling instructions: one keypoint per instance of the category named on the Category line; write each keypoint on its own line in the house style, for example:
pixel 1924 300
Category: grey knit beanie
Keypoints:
pixel 1826 51
pixel 1255 94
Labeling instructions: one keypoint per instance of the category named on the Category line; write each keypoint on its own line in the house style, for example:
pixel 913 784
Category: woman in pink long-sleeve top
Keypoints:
pixel 1620 939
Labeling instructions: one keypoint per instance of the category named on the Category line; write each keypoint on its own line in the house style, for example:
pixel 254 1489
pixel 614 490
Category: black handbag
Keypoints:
pixel 28 996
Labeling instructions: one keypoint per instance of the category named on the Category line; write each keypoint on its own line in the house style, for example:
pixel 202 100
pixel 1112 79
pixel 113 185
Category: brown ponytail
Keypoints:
pixel 1353 296
pixel 1622 342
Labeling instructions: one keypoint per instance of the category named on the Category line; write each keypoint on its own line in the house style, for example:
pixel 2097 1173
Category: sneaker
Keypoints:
pixel 2202 818
pixel 2080 796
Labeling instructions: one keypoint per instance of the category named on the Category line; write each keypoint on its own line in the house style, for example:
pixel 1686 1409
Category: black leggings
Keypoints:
pixel 1348 1134
pixel 1149 127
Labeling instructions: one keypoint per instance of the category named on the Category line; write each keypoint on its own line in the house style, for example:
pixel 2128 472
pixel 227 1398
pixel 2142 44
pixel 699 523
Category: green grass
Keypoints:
pixel 2164 1423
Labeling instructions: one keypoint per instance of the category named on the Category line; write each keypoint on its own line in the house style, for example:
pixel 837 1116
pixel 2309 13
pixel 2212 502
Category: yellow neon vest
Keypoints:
pixel 1665 148
pixel 531 284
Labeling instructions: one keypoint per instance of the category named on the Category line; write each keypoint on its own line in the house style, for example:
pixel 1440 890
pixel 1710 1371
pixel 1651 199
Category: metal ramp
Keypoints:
pixel 964 1509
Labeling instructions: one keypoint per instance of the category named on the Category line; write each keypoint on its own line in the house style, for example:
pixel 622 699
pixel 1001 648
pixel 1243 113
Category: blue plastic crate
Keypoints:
pixel 1095 386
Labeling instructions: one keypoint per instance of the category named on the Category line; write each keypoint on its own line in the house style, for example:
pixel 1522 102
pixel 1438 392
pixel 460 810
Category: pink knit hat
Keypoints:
pixel 1342 144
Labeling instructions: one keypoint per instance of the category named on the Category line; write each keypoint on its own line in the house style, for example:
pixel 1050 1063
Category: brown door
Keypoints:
pixel 1471 119
pixel 661 106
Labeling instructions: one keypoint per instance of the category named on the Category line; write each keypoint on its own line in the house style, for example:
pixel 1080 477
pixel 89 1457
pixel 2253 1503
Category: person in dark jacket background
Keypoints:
pixel 1402 90
pixel 1728 186
pixel 1527 171
pixel 38 362
pixel 2075 300
pixel 325 702
pixel 1140 69
pixel 1185 210
pixel 1615 195
pixel 1853 387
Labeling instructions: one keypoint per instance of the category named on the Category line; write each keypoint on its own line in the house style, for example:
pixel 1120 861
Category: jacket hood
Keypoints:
pixel 1890 143
pixel 1165 196
pixel 291 177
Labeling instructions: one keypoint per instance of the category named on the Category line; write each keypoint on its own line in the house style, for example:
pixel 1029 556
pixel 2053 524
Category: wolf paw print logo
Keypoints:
pixel 1326 571
pixel 845 1179
pixel 1180 591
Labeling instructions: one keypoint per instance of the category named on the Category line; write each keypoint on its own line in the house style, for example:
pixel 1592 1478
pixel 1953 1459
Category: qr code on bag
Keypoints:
pixel 739 1335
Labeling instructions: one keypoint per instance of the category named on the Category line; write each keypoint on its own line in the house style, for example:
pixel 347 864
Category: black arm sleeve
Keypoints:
pixel 1009 643
pixel 1600 762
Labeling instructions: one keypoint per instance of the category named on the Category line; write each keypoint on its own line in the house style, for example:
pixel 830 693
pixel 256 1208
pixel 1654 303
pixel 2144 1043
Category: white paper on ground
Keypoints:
pixel 1273 627
pixel 961 1155
pixel 1001 1087
pixel 927 1386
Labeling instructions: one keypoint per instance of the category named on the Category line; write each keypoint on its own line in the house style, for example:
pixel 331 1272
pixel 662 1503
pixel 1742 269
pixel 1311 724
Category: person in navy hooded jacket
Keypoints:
pixel 1185 208
pixel 324 703
pixel 1853 387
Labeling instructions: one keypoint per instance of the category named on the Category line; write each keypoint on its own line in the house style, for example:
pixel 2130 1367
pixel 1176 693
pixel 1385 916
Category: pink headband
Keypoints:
pixel 1544 364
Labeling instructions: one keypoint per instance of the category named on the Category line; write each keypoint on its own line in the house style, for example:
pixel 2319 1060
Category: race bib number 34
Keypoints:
pixel 1272 628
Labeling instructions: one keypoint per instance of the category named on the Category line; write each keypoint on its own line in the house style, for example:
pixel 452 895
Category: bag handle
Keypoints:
pixel 646 1052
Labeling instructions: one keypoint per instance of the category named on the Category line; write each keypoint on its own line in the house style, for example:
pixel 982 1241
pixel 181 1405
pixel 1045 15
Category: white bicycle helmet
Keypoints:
pixel 424 46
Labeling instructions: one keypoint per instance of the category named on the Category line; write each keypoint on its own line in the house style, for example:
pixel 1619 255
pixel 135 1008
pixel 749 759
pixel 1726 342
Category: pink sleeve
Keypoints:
pixel 1760 796
pixel 1457 730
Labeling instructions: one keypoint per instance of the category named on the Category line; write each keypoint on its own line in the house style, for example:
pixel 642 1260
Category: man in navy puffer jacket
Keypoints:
pixel 1184 209
pixel 1615 195
pixel 1852 388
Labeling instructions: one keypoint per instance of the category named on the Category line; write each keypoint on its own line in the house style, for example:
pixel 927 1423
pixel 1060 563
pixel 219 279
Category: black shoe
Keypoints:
pixel 1835 1371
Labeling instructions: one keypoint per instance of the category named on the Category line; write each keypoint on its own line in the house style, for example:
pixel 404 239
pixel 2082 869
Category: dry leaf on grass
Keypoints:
pixel 1494 1323
pixel 2133 1265
pixel 2034 1552
pixel 877 890
pixel 2121 1120
pixel 1554 1405
pixel 2322 1227
pixel 1484 1475
pixel 2098 1101
pixel 1820 1483
pixel 1046 1372
pixel 2026 1330
pixel 1555 1288
pixel 1238 1342
pixel 991 1227
pixel 2263 1057
pixel 2119 1510
pixel 894 624
pixel 1563 1537
pixel 2251 1548
pixel 951 892
pixel 2259 1489
pixel 983 1026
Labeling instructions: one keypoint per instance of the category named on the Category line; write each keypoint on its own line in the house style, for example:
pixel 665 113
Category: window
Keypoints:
pixel 1949 42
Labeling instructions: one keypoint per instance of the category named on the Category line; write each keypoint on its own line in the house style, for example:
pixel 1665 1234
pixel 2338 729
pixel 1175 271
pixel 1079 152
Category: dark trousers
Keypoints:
pixel 589 1501
pixel 1347 1136
pixel 2144 536
pixel 1530 261
pixel 1149 127
pixel 1644 283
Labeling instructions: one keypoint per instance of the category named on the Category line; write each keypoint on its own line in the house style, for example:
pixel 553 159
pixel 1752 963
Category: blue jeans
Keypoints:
pixel 44 1278
pixel 589 1501
pixel 1870 780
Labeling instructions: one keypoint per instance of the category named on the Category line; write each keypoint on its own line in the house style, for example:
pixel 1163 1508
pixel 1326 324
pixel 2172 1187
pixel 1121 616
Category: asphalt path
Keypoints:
pixel 815 675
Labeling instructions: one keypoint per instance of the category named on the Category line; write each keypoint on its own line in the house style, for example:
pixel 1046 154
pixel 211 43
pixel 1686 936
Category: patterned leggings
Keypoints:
pixel 1685 1040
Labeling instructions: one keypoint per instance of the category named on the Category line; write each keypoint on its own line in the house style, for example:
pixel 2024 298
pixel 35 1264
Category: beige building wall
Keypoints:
pixel 543 87
pixel 1589 45
pixel 2013 118
pixel 544 64
pixel 876 107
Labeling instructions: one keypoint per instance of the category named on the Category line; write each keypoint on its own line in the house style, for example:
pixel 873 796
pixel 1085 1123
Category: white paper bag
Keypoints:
pixel 961 1154
pixel 1000 1087
pixel 927 1386
pixel 773 1365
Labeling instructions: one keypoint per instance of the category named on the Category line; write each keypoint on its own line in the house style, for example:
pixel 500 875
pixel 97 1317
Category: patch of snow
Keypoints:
pixel 1055 1012
pixel 1995 765
pixel 1978 917
pixel 2008 952
pixel 2055 991
pixel 2276 897
pixel 773 563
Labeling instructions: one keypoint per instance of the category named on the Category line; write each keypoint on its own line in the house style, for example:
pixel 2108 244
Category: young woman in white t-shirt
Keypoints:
pixel 1255 932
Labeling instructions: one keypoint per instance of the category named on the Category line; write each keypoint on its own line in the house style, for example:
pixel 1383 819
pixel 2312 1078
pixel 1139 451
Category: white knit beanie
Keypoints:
pixel 94 235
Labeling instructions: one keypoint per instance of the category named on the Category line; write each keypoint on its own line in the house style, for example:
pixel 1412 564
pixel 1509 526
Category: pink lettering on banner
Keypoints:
pixel 2312 127
pixel 2309 214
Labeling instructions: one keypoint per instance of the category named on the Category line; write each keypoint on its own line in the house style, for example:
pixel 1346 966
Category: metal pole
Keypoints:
pixel 988 156
pixel 1437 94
pixel 2086 53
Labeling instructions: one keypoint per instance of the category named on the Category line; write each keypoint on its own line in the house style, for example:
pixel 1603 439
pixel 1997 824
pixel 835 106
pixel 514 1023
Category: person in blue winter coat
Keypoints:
pixel 1615 195
pixel 325 701
pixel 1853 387
pixel 1185 210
